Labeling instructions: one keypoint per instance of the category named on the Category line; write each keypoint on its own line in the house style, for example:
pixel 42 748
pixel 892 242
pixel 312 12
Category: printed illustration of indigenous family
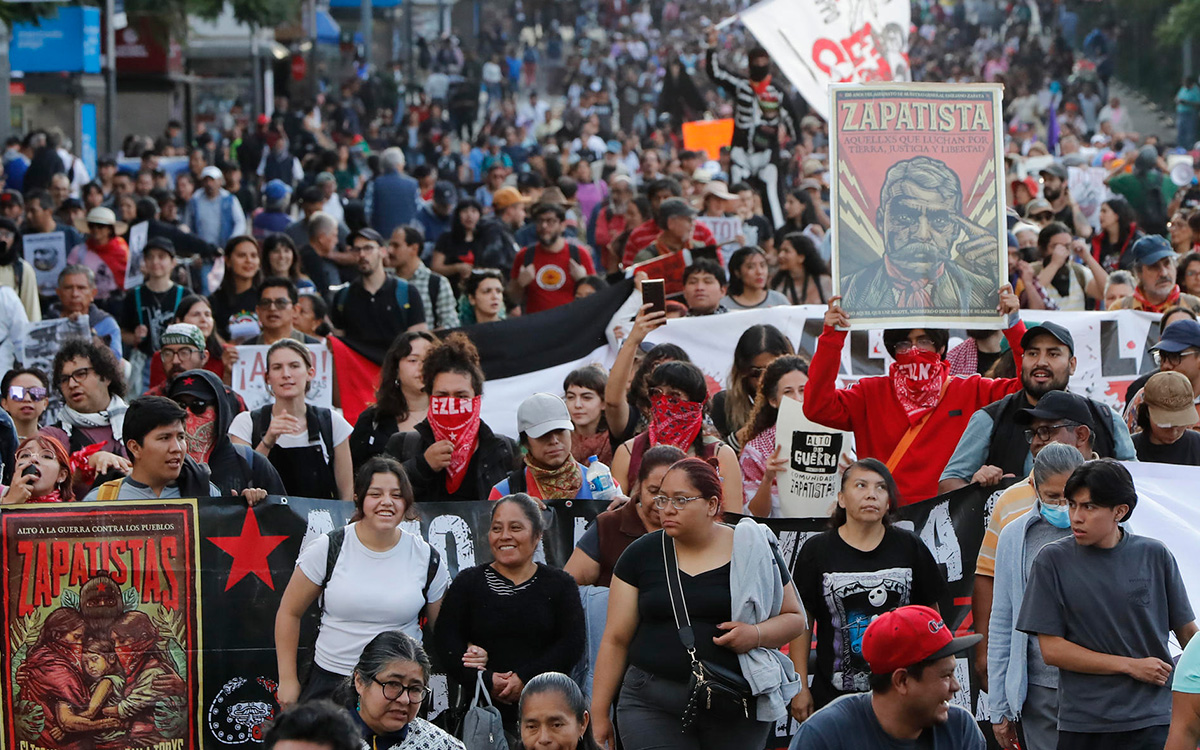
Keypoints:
pixel 98 672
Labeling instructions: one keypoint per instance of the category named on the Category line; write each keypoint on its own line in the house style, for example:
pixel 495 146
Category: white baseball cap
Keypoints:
pixel 542 413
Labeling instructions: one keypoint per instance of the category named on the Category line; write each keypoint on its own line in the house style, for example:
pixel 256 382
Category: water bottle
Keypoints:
pixel 600 480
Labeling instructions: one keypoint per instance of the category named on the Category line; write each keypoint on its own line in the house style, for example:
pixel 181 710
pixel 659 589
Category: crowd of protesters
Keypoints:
pixel 518 174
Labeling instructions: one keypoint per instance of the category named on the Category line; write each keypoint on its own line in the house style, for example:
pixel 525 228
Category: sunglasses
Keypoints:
pixel 21 393
pixel 1043 216
pixel 196 406
pixel 281 303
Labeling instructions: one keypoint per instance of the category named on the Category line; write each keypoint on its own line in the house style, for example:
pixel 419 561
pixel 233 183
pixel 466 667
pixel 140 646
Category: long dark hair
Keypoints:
pixel 838 519
pixel 763 415
pixel 458 232
pixel 227 283
pixel 1126 218
pixel 213 343
pixel 389 396
pixel 565 687
pixel 809 215
pixel 814 265
pixel 736 261
pixel 755 340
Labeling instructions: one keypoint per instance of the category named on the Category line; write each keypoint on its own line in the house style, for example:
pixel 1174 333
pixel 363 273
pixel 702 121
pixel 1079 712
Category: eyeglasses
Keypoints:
pixel 924 342
pixel 281 303
pixel 196 406
pixel 365 248
pixel 1042 216
pixel 170 354
pixel 1045 432
pixel 678 503
pixel 78 376
pixel 392 690
pixel 21 393
pixel 1171 358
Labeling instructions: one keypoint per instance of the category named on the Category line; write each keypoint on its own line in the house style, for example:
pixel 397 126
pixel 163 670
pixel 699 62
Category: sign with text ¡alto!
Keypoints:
pixel 820 42
pixel 250 376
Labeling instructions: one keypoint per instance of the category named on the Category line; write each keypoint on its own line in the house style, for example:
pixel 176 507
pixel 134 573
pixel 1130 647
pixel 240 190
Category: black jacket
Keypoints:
pixel 495 456
pixel 233 468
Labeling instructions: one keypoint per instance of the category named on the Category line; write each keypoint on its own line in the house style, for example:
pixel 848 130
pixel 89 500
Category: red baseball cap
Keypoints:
pixel 909 635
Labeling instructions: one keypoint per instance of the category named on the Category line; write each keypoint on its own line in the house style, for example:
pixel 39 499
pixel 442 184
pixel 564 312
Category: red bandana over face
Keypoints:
pixel 201 433
pixel 917 376
pixel 674 422
pixel 456 420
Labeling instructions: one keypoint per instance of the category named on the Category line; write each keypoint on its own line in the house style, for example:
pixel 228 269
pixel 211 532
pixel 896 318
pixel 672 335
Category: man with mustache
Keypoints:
pixel 1154 263
pixel 921 222
pixel 993 445
pixel 1057 192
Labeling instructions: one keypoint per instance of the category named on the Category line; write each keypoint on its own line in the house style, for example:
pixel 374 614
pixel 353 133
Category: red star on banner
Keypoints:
pixel 249 551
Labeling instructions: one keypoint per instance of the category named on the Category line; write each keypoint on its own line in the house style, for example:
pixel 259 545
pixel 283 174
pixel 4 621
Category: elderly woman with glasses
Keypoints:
pixel 389 684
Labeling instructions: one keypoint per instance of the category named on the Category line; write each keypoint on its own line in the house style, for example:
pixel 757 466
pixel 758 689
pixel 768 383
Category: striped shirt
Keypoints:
pixel 446 314
pixel 757 115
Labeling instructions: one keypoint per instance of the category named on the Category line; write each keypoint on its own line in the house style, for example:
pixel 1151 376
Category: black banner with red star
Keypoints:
pixel 108 603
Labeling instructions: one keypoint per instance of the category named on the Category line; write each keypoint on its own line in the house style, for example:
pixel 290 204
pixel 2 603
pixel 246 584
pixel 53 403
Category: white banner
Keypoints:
pixel 1112 349
pixel 250 376
pixel 817 42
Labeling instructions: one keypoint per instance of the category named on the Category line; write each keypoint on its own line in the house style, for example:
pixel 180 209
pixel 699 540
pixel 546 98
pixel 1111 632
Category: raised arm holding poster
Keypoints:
pixel 918 212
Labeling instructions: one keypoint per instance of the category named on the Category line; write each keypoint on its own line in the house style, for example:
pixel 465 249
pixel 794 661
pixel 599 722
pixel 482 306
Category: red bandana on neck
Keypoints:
pixel 1145 304
pixel 762 85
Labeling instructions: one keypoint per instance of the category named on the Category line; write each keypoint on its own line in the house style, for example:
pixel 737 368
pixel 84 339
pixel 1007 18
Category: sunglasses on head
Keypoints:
pixel 21 393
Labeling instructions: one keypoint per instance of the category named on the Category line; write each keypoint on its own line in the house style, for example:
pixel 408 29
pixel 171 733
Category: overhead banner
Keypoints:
pixel 918 204
pixel 817 43
pixel 1112 349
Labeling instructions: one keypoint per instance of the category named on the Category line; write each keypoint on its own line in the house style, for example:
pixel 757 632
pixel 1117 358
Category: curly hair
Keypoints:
pixel 455 353
pixel 102 360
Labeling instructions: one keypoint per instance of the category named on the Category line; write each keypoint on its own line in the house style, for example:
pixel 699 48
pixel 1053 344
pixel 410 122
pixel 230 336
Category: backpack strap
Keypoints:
pixel 573 249
pixel 137 304
pixel 337 538
pixel 435 560
pixel 435 288
pixel 260 420
pixel 411 445
pixel 325 429
pixel 110 490
pixel 19 274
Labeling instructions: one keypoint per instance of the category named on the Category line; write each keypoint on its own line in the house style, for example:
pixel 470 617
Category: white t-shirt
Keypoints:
pixel 243 429
pixel 369 593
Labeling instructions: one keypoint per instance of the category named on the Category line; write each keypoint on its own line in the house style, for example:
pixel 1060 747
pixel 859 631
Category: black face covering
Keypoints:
pixel 759 72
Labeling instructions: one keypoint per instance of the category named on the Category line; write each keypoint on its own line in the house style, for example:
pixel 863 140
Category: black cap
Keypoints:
pixel 1058 405
pixel 444 193
pixel 1052 329
pixel 1056 169
pixel 191 383
pixel 160 243
pixel 365 233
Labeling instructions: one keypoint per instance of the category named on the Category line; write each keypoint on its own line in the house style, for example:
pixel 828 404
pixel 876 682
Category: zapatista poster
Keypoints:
pixel 918 204
pixel 102 643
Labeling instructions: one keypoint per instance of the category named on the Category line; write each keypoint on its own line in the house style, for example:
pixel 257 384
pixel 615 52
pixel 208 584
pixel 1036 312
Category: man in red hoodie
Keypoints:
pixel 911 418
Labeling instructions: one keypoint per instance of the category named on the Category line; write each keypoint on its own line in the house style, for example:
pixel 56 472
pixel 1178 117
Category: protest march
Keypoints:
pixel 601 375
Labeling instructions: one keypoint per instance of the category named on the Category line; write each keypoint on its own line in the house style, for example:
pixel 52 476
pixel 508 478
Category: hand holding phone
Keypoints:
pixel 654 293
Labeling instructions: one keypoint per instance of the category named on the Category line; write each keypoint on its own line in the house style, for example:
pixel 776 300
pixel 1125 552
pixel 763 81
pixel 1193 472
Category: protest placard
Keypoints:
pixel 918 204
pixel 47 253
pixel 134 273
pixel 810 486
pixel 250 376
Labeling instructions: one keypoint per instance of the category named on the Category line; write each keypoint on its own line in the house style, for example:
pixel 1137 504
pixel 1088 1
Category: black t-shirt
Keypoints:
pixel 844 589
pixel 240 308
pixel 377 319
pixel 656 647
pixel 1184 451
pixel 156 311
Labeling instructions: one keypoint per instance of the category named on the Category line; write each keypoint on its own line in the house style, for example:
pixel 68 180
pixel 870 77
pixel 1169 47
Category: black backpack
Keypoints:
pixel 260 420
pixel 337 538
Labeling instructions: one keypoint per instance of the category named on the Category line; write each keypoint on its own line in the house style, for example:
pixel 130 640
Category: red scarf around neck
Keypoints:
pixel 917 377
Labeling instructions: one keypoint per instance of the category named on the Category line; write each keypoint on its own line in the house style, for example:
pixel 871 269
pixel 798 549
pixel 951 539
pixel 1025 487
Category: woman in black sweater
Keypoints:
pixel 511 619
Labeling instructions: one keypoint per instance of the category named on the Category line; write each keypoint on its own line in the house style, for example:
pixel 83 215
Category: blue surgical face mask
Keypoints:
pixel 1055 515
